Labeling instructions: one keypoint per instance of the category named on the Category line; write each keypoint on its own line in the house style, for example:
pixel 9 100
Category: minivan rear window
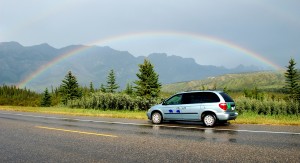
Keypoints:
pixel 226 97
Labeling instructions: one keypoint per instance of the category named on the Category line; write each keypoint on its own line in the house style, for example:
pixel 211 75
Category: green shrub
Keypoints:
pixel 121 101
pixel 113 101
pixel 267 106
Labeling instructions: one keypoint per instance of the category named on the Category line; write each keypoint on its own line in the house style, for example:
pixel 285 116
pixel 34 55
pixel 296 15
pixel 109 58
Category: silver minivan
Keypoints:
pixel 206 106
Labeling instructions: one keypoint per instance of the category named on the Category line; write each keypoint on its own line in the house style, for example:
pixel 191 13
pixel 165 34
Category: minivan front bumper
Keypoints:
pixel 149 115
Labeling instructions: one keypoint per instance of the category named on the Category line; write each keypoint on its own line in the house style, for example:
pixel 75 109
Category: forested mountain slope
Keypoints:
pixel 265 80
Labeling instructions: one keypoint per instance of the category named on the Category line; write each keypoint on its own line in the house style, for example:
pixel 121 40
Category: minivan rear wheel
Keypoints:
pixel 156 118
pixel 209 120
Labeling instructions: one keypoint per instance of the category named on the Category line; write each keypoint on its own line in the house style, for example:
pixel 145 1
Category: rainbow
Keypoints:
pixel 151 34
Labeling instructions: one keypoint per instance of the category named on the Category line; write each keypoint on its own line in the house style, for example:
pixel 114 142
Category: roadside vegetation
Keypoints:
pixel 11 95
pixel 245 118
pixel 273 104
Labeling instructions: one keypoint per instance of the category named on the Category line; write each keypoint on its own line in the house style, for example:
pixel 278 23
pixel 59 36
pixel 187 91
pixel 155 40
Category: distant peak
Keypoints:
pixel 43 46
pixel 11 44
pixel 158 55
pixel 46 45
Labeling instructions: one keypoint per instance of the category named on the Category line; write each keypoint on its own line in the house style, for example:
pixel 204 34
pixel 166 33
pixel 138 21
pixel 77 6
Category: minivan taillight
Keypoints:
pixel 223 106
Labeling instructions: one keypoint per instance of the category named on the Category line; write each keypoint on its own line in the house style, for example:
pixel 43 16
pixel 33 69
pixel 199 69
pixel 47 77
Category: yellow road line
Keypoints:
pixel 74 131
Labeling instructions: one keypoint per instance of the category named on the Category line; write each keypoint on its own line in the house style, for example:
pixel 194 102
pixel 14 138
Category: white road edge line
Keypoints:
pixel 151 125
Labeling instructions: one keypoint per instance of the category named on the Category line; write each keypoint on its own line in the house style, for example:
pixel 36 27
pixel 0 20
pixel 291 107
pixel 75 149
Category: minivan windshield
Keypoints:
pixel 226 97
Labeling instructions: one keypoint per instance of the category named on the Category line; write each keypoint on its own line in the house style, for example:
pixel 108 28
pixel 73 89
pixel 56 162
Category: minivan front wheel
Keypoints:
pixel 156 118
pixel 209 120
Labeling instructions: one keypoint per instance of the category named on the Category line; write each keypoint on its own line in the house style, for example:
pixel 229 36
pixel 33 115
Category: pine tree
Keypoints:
pixel 56 96
pixel 129 89
pixel 292 80
pixel 92 87
pixel 111 86
pixel 69 88
pixel 147 84
pixel 102 88
pixel 46 100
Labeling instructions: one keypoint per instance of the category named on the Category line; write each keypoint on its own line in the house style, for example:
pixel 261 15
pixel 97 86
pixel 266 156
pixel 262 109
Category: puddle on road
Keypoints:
pixel 69 120
pixel 191 133
pixel 202 137
pixel 193 128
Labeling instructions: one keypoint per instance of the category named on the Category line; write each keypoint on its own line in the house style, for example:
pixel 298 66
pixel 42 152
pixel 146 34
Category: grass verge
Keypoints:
pixel 245 118
pixel 253 118
pixel 79 112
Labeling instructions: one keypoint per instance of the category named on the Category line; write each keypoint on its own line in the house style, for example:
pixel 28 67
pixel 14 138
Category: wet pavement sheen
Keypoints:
pixel 140 140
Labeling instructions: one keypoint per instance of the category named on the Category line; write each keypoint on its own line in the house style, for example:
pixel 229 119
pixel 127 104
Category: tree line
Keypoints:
pixel 141 94
pixel 11 95
pixel 147 87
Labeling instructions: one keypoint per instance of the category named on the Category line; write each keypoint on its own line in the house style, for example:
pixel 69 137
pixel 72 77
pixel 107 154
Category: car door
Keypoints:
pixel 209 102
pixel 171 108
pixel 191 106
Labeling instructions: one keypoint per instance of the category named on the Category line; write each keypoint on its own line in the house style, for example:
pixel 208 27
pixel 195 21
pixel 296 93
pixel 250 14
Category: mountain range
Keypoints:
pixel 42 66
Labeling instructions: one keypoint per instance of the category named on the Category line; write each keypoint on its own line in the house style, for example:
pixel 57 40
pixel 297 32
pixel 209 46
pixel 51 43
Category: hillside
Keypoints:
pixel 265 80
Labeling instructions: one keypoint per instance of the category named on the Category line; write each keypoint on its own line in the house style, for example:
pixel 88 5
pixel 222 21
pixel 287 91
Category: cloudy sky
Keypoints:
pixel 264 33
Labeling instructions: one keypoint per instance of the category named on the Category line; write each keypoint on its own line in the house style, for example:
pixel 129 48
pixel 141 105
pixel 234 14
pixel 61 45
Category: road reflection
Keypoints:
pixel 194 131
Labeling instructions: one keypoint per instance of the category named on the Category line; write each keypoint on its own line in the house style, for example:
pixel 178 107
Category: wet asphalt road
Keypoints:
pixel 29 137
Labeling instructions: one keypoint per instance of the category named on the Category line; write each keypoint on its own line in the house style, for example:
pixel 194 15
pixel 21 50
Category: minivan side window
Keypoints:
pixel 209 97
pixel 191 98
pixel 175 100
pixel 200 97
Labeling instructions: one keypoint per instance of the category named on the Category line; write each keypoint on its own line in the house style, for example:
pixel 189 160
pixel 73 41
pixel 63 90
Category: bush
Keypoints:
pixel 113 101
pixel 267 106
pixel 120 101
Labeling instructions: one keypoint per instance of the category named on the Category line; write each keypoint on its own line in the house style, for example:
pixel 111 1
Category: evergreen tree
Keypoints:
pixel 292 80
pixel 129 89
pixel 92 87
pixel 102 88
pixel 46 100
pixel 111 86
pixel 69 88
pixel 56 96
pixel 84 90
pixel 147 84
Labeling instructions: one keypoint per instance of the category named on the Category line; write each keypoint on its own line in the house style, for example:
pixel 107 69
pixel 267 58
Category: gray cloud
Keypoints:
pixel 269 28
